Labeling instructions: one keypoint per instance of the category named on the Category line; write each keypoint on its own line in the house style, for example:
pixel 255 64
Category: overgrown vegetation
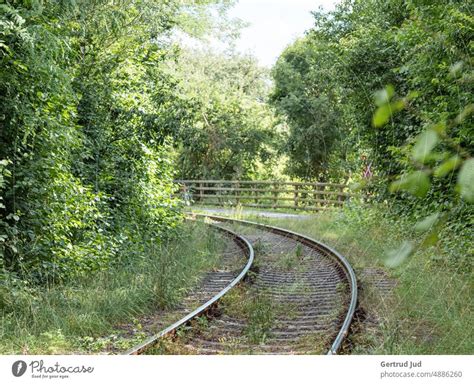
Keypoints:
pixel 231 132
pixel 101 107
pixel 255 308
pixel 89 175
pixel 379 94
pixel 83 315
pixel 325 85
pixel 426 308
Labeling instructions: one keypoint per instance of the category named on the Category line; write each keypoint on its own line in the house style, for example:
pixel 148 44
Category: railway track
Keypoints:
pixel 298 297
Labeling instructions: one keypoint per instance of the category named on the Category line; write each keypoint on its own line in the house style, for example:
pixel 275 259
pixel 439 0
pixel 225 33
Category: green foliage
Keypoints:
pixel 427 222
pixel 304 96
pixel 226 131
pixel 419 144
pixel 448 166
pixel 388 107
pixel 86 138
pixel 37 136
pixel 348 56
pixel 398 256
pixel 417 183
pixel 425 143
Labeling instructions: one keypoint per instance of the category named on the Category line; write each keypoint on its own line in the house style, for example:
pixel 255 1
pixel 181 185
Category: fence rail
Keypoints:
pixel 265 194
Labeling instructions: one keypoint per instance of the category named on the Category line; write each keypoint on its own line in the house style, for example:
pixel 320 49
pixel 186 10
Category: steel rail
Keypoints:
pixel 349 271
pixel 152 340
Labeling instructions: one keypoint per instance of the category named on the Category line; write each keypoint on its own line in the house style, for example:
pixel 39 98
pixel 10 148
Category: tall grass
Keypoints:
pixel 61 317
pixel 429 310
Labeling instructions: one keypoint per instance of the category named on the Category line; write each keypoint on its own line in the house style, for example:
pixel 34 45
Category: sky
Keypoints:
pixel 274 24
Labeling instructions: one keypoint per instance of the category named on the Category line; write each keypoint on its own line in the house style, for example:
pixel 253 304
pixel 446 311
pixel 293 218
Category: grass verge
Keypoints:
pixel 81 316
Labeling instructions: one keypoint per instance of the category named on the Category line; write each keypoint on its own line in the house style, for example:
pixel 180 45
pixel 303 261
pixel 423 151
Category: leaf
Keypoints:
pixel 13 216
pixel 424 145
pixel 381 115
pixel 455 68
pixel 412 95
pixel 466 180
pixel 358 186
pixel 20 65
pixel 417 183
pixel 397 256
pixel 385 111
pixel 397 106
pixel 427 222
pixel 437 156
pixel 466 112
pixel 383 96
pixel 5 47
pixel 431 239
pixel 448 166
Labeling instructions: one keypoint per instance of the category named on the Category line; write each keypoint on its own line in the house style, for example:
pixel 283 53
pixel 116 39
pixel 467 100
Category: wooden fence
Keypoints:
pixel 264 194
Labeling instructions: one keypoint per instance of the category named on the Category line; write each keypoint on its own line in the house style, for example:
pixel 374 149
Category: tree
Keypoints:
pixel 354 51
pixel 228 129
pixel 304 94
pixel 85 138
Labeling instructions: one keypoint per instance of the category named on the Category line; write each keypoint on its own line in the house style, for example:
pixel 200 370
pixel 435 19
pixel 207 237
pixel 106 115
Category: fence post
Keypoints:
pixel 316 188
pixel 275 195
pixel 219 193
pixel 201 191
pixel 237 200
pixel 296 195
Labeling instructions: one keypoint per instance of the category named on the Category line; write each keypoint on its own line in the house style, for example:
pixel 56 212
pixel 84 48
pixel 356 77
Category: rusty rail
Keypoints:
pixel 346 267
pixel 349 271
pixel 153 340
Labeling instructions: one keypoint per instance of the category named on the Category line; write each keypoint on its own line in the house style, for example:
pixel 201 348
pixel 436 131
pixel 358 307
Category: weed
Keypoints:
pixel 260 319
pixel 201 323
pixel 254 307
pixel 291 260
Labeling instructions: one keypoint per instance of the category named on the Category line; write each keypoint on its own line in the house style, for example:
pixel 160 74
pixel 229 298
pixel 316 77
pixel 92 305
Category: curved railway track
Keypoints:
pixel 299 298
